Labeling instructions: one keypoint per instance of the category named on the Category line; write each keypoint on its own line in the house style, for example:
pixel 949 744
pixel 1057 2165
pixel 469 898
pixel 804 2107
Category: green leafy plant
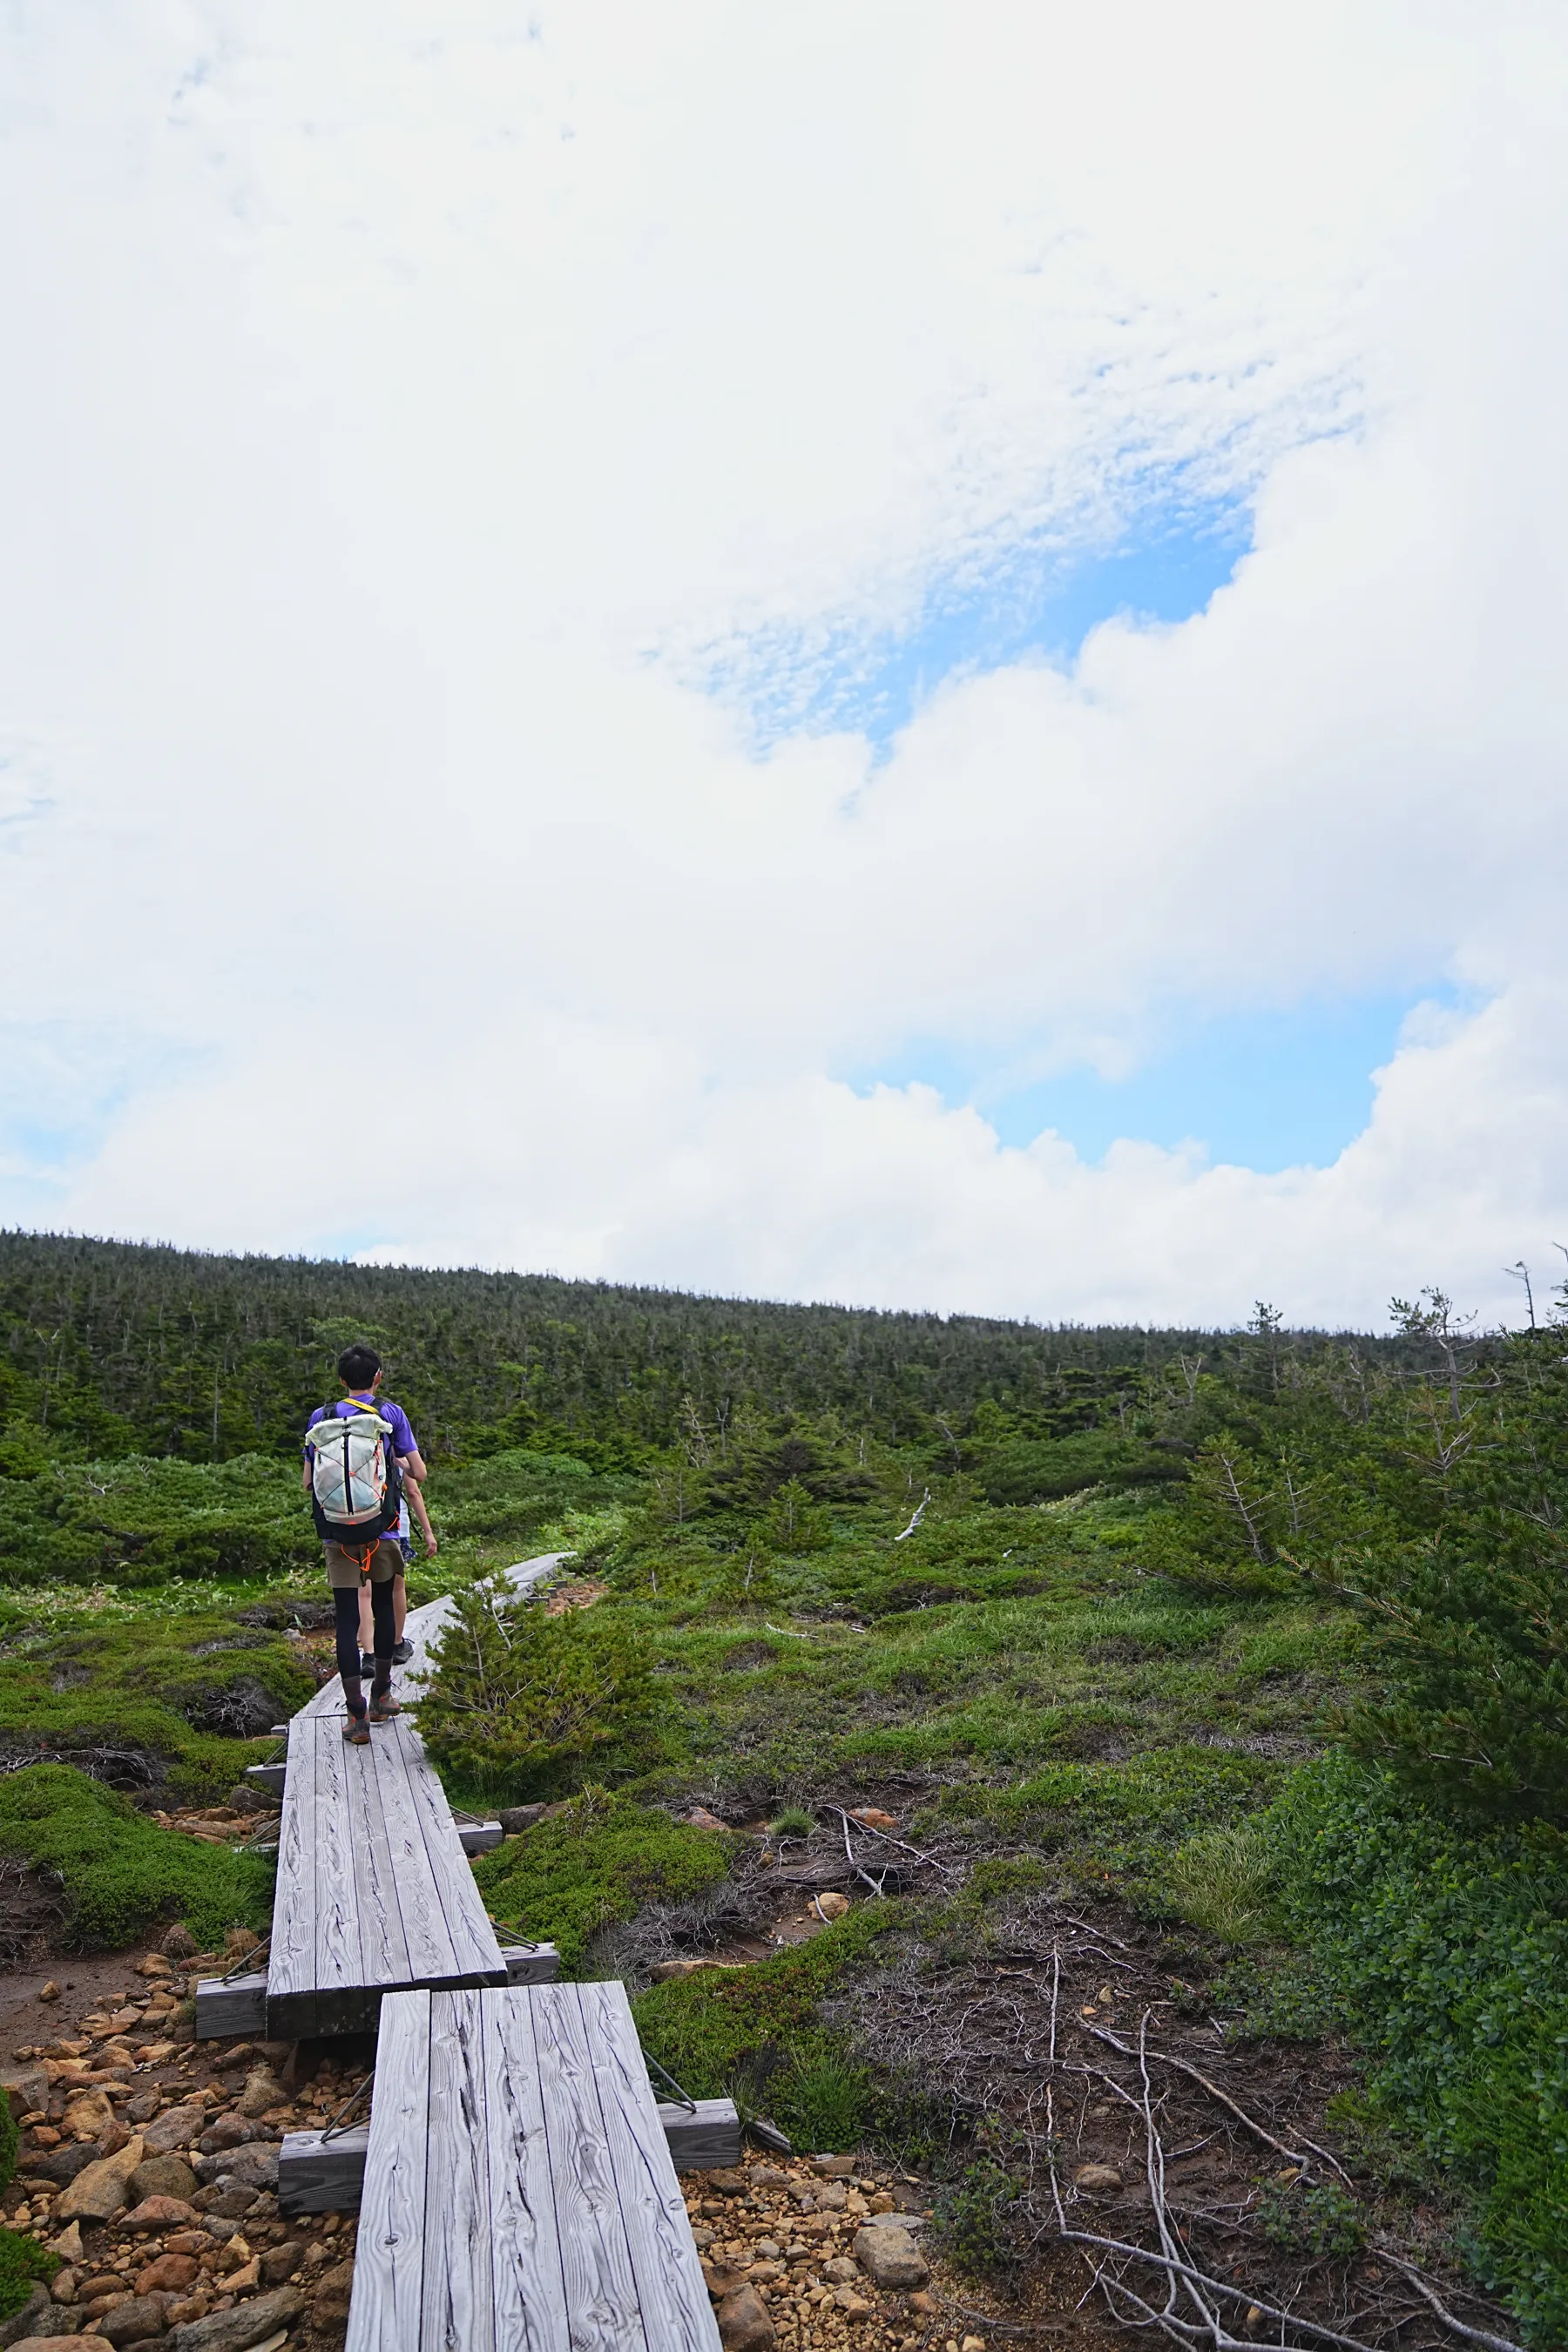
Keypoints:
pixel 792 1822
pixel 517 1698
pixel 23 2264
pixel 1318 2218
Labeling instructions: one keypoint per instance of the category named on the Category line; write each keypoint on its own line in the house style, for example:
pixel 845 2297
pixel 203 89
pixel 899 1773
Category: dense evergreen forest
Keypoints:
pixel 114 1346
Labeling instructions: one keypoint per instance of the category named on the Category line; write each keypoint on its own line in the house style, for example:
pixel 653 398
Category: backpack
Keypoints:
pixel 355 1484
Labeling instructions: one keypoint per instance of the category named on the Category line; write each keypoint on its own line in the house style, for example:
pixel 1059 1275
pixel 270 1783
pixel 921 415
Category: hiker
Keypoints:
pixel 401 1649
pixel 355 1487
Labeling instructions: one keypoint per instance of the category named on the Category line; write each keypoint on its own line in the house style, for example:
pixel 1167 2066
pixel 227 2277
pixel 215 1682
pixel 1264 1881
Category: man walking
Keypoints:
pixel 355 1484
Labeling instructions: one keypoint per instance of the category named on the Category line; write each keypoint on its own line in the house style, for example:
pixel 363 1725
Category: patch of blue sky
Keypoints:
pixel 1265 1090
pixel 1036 598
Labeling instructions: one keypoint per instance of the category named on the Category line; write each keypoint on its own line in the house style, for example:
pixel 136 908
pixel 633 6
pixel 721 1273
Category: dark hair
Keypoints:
pixel 358 1366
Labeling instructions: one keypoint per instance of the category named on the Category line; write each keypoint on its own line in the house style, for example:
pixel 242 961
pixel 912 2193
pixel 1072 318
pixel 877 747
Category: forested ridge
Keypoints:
pixel 121 1345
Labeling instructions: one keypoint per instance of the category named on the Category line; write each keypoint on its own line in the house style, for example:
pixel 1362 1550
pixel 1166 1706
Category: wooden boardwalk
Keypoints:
pixel 374 1893
pixel 519 2193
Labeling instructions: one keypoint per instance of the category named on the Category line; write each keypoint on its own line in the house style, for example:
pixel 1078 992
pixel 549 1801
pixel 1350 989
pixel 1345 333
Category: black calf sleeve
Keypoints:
pixel 345 1605
pixel 384 1619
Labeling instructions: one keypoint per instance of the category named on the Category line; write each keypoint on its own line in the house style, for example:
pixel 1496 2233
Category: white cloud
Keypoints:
pixel 403 415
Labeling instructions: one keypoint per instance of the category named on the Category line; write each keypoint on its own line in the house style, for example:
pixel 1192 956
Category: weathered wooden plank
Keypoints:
pixel 390 2249
pixel 676 2311
pixel 527 2280
pixel 458 2309
pixel 475 1955
pixel 383 1945
pixel 535 1964
pixel 231 2005
pixel 291 1968
pixel 479 1837
pixel 337 1953
pixel 595 2260
pixel 317 2176
pixel 701 2135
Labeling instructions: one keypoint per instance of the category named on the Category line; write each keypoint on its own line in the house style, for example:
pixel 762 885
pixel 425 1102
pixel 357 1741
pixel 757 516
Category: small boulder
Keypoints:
pixel 153 2213
pixel 175 2127
pixel 21 2323
pixel 162 2176
pixel 333 2293
pixel 253 2166
pixel 133 2321
pixel 280 2263
pixel 873 1817
pixel 26 2087
pixel 99 2191
pixel 65 2344
pixel 700 1818
pixel 154 1964
pixel 1097 2180
pixel 262 2090
pixel 245 1797
pixel 830 1906
pixel 179 1944
pixel 67 2245
pixel 515 1819
pixel 89 2116
pixel 855 2303
pixel 840 2270
pixel 49 1992
pixel 236 2331
pixel 890 2257
pixel 832 2168
pixel 169 2275
pixel 744 2322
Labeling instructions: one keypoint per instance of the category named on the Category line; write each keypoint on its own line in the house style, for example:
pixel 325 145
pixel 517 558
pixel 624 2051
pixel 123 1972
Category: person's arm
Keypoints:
pixel 417 1505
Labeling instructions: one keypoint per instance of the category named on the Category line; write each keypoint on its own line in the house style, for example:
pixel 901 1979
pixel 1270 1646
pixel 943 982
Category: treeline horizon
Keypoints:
pixel 122 1346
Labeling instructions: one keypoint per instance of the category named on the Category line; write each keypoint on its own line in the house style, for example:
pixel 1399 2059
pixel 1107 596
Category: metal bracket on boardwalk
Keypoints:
pixel 682 2098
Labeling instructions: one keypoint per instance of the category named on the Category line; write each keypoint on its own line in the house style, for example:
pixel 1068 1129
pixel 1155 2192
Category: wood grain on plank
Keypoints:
pixel 337 1921
pixel 595 2260
pixel 459 2300
pixel 383 1945
pixel 528 2280
pixel 472 1939
pixel 291 1960
pixel 677 2312
pixel 389 2251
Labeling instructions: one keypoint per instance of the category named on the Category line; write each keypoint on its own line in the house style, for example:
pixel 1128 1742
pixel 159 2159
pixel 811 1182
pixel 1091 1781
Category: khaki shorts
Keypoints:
pixel 344 1569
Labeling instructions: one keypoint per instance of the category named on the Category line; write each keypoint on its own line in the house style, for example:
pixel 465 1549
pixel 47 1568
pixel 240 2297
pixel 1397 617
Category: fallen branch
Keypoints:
pixel 930 1860
pixel 1183 2066
pixel 876 1886
pixel 1429 2296
pixel 920 1514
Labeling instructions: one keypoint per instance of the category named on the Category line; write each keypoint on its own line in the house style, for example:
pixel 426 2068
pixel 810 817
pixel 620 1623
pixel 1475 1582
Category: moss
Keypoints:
pixel 596 1862
pixel 121 1872
pixel 710 2027
pixel 22 2261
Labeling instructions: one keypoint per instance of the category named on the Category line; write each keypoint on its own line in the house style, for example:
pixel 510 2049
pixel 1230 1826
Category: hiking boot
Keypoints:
pixel 403 1653
pixel 383 1707
pixel 356 1731
pixel 366 1665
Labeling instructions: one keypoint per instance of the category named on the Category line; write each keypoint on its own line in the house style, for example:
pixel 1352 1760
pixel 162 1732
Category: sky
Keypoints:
pixel 903 655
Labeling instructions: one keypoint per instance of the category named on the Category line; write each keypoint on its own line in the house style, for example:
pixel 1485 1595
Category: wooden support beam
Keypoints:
pixel 328 2177
pixel 230 2006
pixel 270 1777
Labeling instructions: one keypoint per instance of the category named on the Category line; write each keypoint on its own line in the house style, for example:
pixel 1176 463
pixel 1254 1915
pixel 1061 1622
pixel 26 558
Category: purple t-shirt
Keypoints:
pixel 402 1442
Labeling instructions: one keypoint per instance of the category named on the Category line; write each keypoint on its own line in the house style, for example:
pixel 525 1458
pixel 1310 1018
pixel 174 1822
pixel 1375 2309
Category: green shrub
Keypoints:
pixel 1447 1951
pixel 517 1698
pixel 1222 1880
pixel 8 2138
pixel 792 1822
pixel 596 1862
pixel 119 1871
pixel 23 2262
pixel 1316 2219
pixel 975 2222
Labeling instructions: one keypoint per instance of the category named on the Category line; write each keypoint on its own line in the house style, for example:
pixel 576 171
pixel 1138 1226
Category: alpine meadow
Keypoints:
pixel 1113 1783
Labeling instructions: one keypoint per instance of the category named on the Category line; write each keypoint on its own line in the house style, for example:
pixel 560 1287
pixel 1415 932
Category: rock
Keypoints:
pixel 237 2330
pixel 179 1944
pixel 727 2180
pixel 246 1798
pixel 131 2321
pixel 238 1941
pixel 248 2275
pixel 49 1992
pixel 158 2213
pixel 156 2053
pixel 89 2116
pixel 515 1819
pixel 62 2286
pixel 262 2090
pixel 768 2176
pixel 169 2274
pixel 874 1817
pixel 744 2322
pixel 176 2127
pixel 1097 2180
pixel 65 2344
pixel 253 2166
pixel 831 2167
pixel 21 2323
pixel 857 2306
pixel 334 2292
pixel 63 2163
pixel 67 2245
pixel 830 1907
pixel 154 1964
pixel 924 2305
pixel 889 2256
pixel 700 1818
pixel 973 2344
pixel 143 2106
pixel 667 1972
pixel 840 2270
pixel 227 2132
pixel 162 2176
pixel 280 2263
pixel 26 2087
pixel 99 2189
pixel 832 2198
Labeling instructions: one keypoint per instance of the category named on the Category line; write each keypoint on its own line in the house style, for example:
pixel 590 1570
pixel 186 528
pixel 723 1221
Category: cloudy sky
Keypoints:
pixel 890 652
